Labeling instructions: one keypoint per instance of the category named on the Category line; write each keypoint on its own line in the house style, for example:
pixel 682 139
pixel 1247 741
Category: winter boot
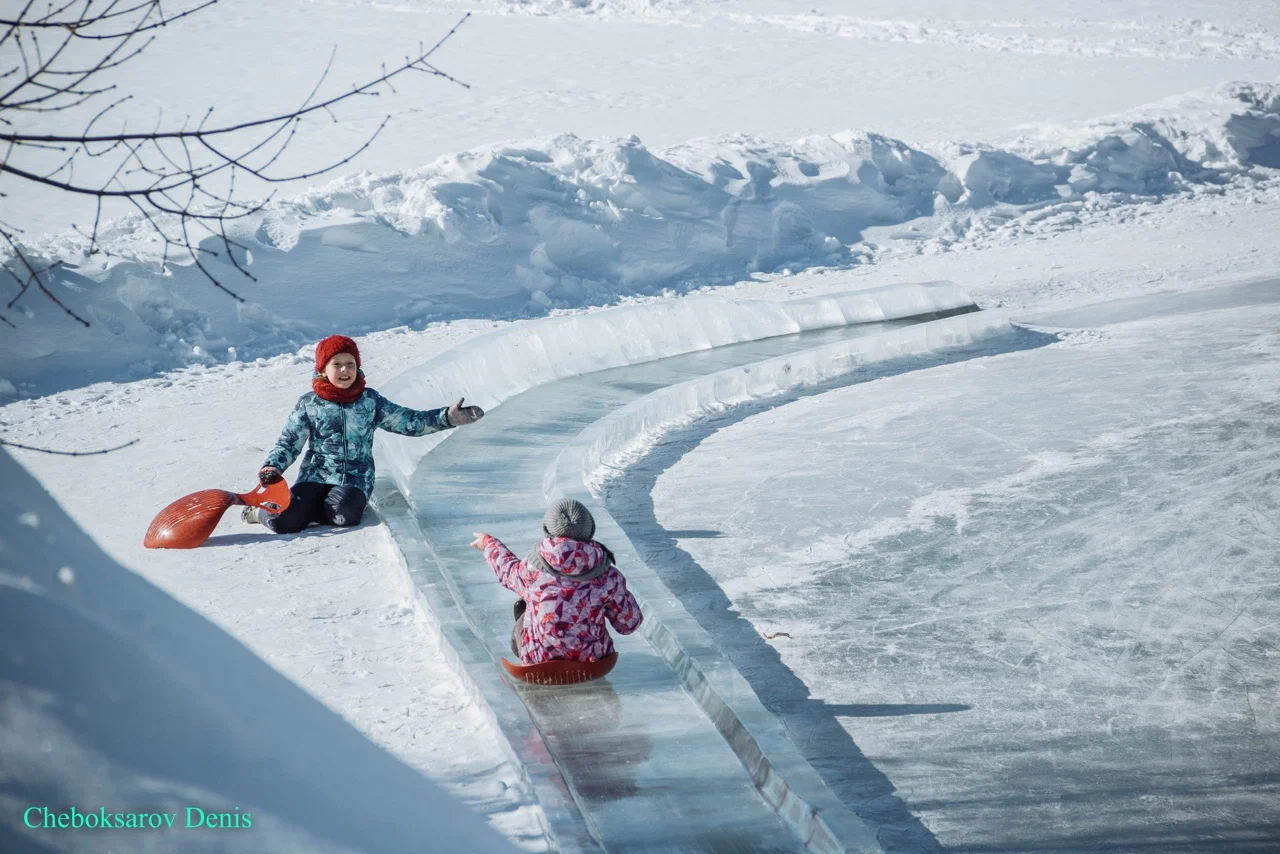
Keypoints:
pixel 250 516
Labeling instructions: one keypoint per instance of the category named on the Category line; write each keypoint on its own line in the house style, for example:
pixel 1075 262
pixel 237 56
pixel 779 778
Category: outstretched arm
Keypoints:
pixel 513 573
pixel 395 418
pixel 292 438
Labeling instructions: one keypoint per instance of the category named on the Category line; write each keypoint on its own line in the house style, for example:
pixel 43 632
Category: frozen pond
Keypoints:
pixel 1031 600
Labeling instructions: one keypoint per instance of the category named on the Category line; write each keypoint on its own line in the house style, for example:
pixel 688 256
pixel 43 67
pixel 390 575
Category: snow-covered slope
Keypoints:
pixel 114 695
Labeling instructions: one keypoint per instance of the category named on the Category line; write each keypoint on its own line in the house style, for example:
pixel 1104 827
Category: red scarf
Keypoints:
pixel 320 385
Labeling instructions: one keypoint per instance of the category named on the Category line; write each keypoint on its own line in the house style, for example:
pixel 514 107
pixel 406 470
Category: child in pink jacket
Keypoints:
pixel 568 587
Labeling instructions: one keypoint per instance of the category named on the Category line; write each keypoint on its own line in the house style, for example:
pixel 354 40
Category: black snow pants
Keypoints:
pixel 516 631
pixel 318 502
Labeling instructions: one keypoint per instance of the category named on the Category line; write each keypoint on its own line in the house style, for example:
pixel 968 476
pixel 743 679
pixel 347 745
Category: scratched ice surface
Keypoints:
pixel 1029 602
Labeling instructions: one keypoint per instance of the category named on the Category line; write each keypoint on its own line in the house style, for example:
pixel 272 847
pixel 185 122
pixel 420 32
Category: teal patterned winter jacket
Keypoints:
pixel 341 436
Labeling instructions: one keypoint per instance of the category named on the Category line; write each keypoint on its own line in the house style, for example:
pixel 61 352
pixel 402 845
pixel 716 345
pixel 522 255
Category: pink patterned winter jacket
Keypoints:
pixel 565 619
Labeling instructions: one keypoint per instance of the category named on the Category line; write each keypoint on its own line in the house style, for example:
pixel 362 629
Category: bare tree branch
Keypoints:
pixel 174 177
pixel 75 27
pixel 9 444
pixel 369 88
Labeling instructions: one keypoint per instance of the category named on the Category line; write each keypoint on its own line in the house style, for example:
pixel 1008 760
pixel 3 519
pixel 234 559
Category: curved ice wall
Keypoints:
pixel 629 430
pixel 494 367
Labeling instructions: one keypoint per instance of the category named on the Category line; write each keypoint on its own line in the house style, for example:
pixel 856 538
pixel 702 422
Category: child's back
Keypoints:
pixel 570 588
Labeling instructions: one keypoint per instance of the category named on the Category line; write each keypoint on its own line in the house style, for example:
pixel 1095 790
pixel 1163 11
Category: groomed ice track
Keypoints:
pixel 673 751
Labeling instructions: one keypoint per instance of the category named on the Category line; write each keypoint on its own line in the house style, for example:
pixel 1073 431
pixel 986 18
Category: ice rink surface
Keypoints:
pixel 1030 599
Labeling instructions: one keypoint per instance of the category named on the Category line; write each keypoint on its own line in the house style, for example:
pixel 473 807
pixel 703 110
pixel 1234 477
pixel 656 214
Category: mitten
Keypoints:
pixel 460 415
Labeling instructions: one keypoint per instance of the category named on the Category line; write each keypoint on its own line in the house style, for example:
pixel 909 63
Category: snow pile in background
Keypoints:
pixel 492 368
pixel 1205 137
pixel 1193 137
pixel 565 222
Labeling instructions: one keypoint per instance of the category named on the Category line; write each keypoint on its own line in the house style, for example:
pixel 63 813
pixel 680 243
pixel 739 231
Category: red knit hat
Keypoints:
pixel 332 346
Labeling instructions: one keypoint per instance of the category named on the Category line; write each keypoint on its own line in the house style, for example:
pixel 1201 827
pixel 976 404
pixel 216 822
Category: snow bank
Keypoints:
pixel 1201 136
pixel 491 368
pixel 114 695
pixel 521 229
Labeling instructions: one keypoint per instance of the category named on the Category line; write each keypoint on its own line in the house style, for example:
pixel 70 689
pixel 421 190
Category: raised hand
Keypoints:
pixel 460 415
pixel 478 542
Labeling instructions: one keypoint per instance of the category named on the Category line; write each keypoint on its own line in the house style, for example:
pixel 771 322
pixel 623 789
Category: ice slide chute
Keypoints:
pixel 672 751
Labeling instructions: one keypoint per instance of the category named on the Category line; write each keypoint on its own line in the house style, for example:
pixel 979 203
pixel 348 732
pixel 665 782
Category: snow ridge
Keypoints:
pixel 565 222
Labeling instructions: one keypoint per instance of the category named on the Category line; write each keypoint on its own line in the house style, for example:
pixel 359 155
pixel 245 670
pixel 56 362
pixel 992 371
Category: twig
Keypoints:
pixel 9 444
pixel 194 183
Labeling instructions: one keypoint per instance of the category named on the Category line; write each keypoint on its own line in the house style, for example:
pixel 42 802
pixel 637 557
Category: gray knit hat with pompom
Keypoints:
pixel 569 518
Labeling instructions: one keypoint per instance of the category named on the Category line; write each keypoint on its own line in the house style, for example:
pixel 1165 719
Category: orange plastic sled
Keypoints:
pixel 188 522
pixel 561 672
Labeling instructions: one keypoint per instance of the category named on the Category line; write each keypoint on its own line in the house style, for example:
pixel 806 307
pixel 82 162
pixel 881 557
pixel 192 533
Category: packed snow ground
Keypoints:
pixel 324 608
pixel 119 703
pixel 328 609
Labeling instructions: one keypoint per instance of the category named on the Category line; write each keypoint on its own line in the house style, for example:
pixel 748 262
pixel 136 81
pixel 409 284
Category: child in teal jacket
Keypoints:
pixel 337 418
